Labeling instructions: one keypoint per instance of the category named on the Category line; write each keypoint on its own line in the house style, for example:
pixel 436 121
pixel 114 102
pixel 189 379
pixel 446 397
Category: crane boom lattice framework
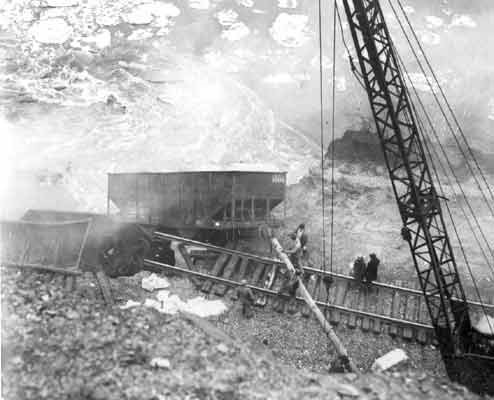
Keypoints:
pixel 417 198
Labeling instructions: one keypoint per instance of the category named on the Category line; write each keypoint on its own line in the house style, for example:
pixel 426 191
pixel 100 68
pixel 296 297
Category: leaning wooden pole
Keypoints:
pixel 339 347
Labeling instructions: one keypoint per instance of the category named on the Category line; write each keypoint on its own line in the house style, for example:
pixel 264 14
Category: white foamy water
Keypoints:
pixel 290 30
pixel 463 21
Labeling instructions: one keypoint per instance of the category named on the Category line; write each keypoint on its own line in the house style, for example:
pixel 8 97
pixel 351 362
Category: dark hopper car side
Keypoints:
pixel 190 202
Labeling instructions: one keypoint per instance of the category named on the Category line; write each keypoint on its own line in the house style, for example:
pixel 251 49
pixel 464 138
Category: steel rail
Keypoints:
pixel 268 260
pixel 273 293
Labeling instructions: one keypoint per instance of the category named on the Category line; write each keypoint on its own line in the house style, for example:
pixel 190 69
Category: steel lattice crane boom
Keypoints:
pixel 417 198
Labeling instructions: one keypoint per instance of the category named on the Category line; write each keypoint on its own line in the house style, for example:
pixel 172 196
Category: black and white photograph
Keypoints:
pixel 246 199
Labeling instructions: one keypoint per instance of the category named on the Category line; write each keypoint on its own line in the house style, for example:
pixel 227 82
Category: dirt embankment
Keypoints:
pixel 68 346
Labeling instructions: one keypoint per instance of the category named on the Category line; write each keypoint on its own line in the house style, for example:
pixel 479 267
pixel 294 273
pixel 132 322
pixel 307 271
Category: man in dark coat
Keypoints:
pixel 372 265
pixel 246 297
pixel 359 269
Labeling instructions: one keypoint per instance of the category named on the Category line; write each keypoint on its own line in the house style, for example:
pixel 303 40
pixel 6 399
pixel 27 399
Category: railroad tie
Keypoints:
pixel 395 310
pixel 364 305
pixel 264 282
pixel 409 314
pixel 341 290
pixel 347 301
pixel 353 304
pixel 220 289
pixel 219 265
pixel 241 274
pixel 377 304
pixel 190 263
pixel 330 313
pixel 311 287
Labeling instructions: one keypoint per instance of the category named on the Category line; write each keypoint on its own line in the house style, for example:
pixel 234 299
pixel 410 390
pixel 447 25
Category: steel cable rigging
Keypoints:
pixel 443 113
pixel 429 149
pixel 442 148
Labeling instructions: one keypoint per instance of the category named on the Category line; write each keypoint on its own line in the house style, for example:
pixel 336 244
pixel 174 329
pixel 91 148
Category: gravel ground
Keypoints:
pixel 57 345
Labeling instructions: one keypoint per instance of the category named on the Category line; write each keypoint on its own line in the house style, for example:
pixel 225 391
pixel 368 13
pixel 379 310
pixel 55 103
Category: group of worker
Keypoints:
pixel 364 272
pixel 297 254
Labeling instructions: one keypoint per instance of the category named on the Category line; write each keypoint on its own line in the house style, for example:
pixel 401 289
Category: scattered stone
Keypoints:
pixel 347 390
pixel 160 362
pixel 130 304
pixel 51 31
pixel 389 360
pixel 222 348
pixel 71 314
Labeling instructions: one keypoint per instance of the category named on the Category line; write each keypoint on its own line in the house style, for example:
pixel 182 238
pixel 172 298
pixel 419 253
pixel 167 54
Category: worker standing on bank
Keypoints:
pixel 246 297
pixel 371 271
pixel 303 238
pixel 359 268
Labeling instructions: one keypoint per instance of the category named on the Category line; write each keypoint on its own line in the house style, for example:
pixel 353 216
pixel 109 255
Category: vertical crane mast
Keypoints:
pixel 410 176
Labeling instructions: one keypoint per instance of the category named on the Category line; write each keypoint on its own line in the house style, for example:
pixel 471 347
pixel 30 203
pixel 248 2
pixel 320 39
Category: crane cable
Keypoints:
pixel 333 102
pixel 447 102
pixel 442 149
pixel 439 103
pixel 321 104
pixel 422 132
pixel 443 168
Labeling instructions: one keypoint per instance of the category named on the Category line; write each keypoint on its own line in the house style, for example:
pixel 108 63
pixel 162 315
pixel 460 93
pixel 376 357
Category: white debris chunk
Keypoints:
pixel 145 13
pixel 139 16
pixel 171 304
pixel 101 39
pixel 226 17
pixel 129 304
pixel 428 37
pixel 107 19
pixel 491 109
pixel 290 30
pixel 287 3
pixel 160 362
pixel 205 308
pixel 463 21
pixel 199 4
pixel 433 22
pixel 246 3
pixel 153 282
pixel 51 31
pixel 389 360
pixel 236 31
pixel 60 3
pixel 140 34
pixel 409 9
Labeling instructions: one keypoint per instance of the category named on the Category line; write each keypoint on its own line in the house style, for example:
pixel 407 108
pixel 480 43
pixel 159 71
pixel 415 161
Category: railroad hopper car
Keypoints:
pixel 198 204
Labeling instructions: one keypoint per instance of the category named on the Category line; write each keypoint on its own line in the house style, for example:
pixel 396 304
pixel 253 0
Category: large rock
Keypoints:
pixel 357 146
pixel 390 360
pixel 51 31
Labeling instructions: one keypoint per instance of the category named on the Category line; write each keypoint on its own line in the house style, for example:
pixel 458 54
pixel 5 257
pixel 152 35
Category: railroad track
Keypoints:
pixel 397 310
